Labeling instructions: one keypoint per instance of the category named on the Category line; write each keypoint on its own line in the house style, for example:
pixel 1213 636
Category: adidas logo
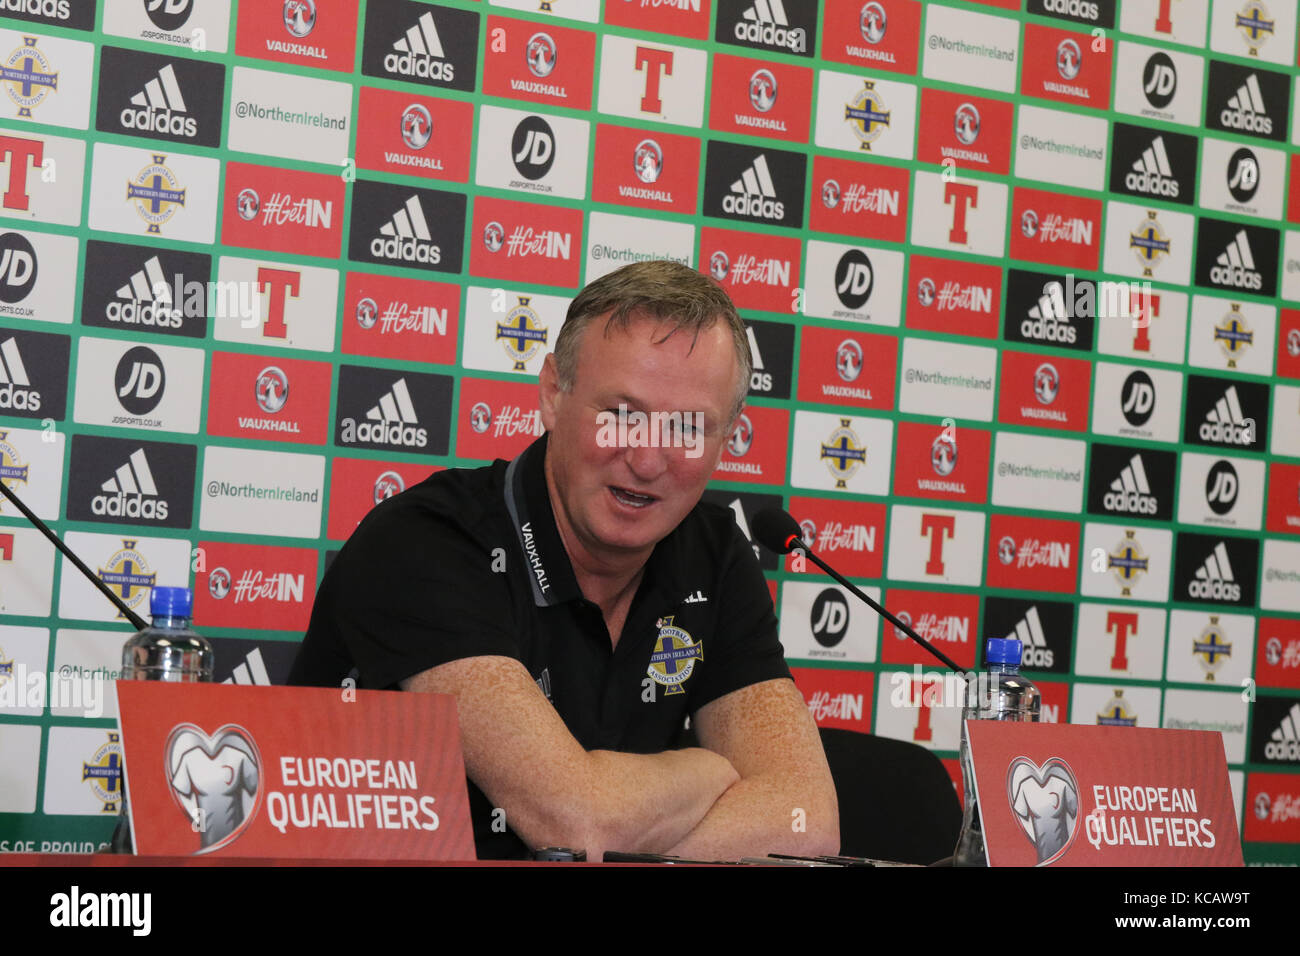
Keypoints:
pixel 1151 174
pixel 406 237
pixel 131 492
pixel 1236 265
pixel 391 422
pixel 1029 632
pixel 419 53
pixel 1245 111
pixel 753 194
pixel 1214 580
pixel 1130 493
pixel 145 299
pixel 1284 744
pixel 1226 423
pixel 765 22
pixel 16 390
pixel 252 671
pixel 160 108
pixel 1049 320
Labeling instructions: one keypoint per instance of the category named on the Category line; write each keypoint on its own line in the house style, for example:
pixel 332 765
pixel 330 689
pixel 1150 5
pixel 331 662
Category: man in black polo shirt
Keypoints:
pixel 580 602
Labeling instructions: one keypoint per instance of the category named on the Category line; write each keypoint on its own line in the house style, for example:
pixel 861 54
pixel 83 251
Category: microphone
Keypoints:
pixel 775 530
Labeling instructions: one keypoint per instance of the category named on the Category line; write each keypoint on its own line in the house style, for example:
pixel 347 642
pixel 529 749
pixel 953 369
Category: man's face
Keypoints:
pixel 616 495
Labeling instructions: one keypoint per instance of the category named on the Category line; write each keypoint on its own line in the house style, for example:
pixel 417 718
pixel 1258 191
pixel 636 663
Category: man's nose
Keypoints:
pixel 648 462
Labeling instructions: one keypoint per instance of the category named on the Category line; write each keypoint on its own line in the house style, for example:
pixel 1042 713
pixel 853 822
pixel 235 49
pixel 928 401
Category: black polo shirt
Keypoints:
pixel 470 563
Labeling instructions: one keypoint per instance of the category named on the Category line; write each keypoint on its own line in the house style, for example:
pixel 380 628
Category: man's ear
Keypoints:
pixel 550 395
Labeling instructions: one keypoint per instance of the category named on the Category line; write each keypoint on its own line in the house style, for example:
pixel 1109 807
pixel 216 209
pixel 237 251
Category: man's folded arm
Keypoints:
pixel 554 793
pixel 784 801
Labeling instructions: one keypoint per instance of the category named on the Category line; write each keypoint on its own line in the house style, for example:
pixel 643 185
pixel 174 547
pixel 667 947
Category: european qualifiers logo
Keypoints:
pixel 754 185
pixel 127 481
pixel 420 43
pixel 1044 628
pixel 1058 309
pixel 1153 165
pixel 1100 13
pixel 34 374
pixel 1216 569
pixel 393 410
pixel 145 289
pixel 160 97
pixel 771 25
pixel 1226 413
pixel 1236 257
pixel 1128 482
pixel 407 226
pixel 1247 100
pixel 77 14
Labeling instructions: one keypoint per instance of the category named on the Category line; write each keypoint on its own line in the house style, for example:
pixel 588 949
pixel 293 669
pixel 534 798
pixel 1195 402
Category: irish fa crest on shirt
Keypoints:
pixel 674 656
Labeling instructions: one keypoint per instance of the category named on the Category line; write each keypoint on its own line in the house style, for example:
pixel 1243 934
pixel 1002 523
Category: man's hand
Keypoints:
pixel 785 799
pixel 554 793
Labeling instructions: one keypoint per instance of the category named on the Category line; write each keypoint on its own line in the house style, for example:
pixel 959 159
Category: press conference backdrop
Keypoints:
pixel 1022 282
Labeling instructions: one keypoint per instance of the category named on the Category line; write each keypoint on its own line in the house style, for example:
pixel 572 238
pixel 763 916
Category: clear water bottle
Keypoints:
pixel 168 650
pixel 1001 694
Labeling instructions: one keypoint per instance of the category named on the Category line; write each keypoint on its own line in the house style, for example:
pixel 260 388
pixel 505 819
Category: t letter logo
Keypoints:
pixel 655 64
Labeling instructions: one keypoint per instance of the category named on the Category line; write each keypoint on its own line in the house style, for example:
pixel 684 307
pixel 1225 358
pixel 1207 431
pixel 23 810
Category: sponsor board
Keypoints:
pixel 27 572
pixel 264 493
pixel 942 462
pixel 412 135
pixel 954 297
pixel 43 176
pixel 836 697
pixel 160 97
pixel 125 481
pixel 83 768
pixel 146 387
pixel 1046 391
pixel 261 662
pixel 1099 13
pixel 959 215
pixel 936 545
pixel 283 210
pixel 1129 482
pixel 46 79
pixel 130 566
pixel 186 25
pixel 686 18
pixel 1211 649
pixel 756 450
pixel 1120 642
pixel 771 350
pixel 30 466
pixel 1065 149
pixel 420 43
pixel 323 37
pixel 1147 243
pixel 93 660
pixel 398 318
pixel 1126 561
pixel 1044 628
pixel 744 505
pixel 758 271
pixel 883 35
pixel 529 152
pixel 497 419
pixel 524 242
pixel 1272 808
pixel 35 381
pixel 550 65
pixel 249 585
pixel 1285 437
pixel 854 283
pixel 269 398
pixel 961 131
pixel 847 199
pixel 1232 335
pixel 142 289
pixel 27 648
pixel 1281 574
pixel 948 621
pixel 1059 310
pixel 645 80
pixel 297 117
pixel 1038 472
pixel 910 707
pixel 842 453
pixel 850 535
pixel 1157 331
pixel 854 369
pixel 868 116
pixel 1243 179
pixel 143 193
pixel 656 170
pixel 943 378
pixel 614 241
pixel 358 484
pixel 61 13
pixel 1159 83
pixel 507 331
pixel 264 303
pixel 760 98
pixel 1275 732
pixel 393 410
pixel 961 46
pixel 1221 713
pixel 1288 350
pixel 1032 554
pixel 406 226
pixel 587 10
pixel 1215 569
pixel 1291 275
pixel 824 622
pixel 32 270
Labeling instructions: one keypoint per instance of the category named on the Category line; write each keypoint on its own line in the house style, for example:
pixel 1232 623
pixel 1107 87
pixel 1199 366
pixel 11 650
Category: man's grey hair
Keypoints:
pixel 656 289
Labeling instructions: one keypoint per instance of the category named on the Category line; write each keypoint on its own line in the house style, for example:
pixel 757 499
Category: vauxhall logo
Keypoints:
pixel 854 279
pixel 168 15
pixel 17 267
pixel 533 147
pixel 140 380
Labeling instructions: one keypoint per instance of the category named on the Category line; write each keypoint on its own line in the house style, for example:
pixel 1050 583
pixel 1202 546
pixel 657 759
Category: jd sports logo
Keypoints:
pixel 1236 257
pixel 854 279
pixel 17 267
pixel 1226 414
pixel 417 43
pixel 1221 487
pixel 1138 398
pixel 1161 166
pixel 533 147
pixel 140 380
pixel 1246 100
pixel 1160 80
pixel 1217 570
pixel 1243 175
pixel 763 185
pixel 168 15
pixel 114 480
pixel 830 617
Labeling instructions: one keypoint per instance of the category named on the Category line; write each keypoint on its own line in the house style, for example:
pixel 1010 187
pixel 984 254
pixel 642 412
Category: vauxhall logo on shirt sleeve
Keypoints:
pixel 407 226
pixel 393 410
pixel 420 43
pixel 754 185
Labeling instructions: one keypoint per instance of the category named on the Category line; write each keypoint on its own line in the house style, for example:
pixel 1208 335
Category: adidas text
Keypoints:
pixel 383 433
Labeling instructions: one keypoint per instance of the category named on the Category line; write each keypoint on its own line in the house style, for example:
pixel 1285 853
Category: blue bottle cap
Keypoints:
pixel 171 602
pixel 1003 650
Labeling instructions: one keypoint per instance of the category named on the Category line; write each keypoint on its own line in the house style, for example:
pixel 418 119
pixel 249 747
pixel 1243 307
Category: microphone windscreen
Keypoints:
pixel 775 530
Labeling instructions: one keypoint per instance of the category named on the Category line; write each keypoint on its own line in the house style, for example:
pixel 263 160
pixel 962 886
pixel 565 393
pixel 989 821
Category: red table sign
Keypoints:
pixel 1079 795
pixel 293 772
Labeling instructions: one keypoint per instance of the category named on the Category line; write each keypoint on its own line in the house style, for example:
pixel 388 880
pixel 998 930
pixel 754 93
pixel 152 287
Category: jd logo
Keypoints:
pixel 1160 80
pixel 1221 487
pixel 1138 398
pixel 17 267
pixel 1243 175
pixel 853 279
pixel 140 380
pixel 830 617
pixel 533 147
pixel 168 14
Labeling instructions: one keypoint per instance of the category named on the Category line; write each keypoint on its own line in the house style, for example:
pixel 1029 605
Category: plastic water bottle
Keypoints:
pixel 1003 695
pixel 168 650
